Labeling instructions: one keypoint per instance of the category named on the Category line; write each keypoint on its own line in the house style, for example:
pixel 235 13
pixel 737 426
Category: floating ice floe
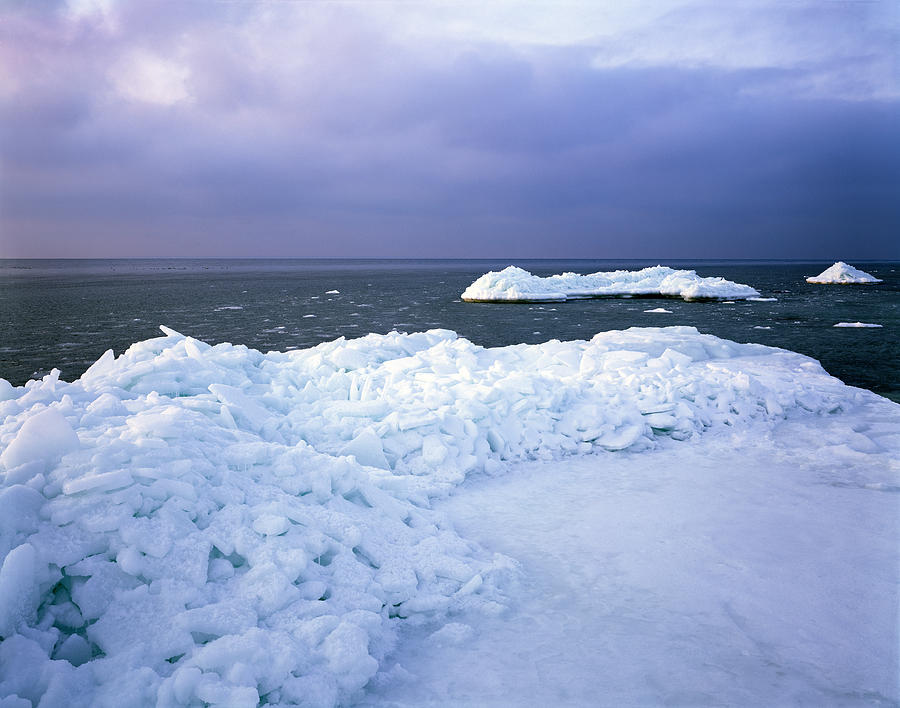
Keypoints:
pixel 842 274
pixel 191 524
pixel 660 310
pixel 514 284
pixel 857 324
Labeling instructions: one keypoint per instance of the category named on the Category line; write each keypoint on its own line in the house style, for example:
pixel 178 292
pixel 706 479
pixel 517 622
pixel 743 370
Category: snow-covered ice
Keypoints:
pixel 190 524
pixel 857 324
pixel 660 310
pixel 841 273
pixel 756 567
pixel 513 284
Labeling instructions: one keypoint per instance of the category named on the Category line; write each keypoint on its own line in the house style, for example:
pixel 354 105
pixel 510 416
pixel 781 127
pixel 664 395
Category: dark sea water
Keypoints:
pixel 66 313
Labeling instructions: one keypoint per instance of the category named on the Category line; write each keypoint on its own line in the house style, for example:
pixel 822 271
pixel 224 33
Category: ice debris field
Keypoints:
pixel 513 284
pixel 842 274
pixel 190 524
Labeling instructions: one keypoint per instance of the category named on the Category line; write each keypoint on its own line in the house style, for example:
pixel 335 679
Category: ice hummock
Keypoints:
pixel 211 524
pixel 840 274
pixel 513 284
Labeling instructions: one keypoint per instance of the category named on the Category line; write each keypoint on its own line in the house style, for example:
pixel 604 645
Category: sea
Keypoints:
pixel 65 313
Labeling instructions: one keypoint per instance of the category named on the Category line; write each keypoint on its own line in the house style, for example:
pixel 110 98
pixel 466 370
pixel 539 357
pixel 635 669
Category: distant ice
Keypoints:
pixel 761 327
pixel 229 307
pixel 514 284
pixel 659 309
pixel 841 274
pixel 190 524
pixel 307 316
pixel 763 299
pixel 332 292
pixel 857 324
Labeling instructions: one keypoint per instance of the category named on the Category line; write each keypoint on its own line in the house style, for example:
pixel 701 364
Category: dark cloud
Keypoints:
pixel 217 129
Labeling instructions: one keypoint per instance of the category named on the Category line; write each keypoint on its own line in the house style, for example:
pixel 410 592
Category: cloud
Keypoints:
pixel 144 76
pixel 342 129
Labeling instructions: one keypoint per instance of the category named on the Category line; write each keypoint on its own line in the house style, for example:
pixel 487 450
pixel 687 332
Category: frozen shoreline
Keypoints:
pixel 227 506
pixel 753 568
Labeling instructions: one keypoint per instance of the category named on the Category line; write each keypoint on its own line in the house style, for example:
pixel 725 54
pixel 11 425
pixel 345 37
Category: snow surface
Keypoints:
pixel 857 324
pixel 841 273
pixel 756 567
pixel 513 284
pixel 213 525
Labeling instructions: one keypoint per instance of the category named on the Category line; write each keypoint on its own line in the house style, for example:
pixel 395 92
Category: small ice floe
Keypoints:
pixel 761 327
pixel 763 299
pixel 307 316
pixel 332 292
pixel 857 324
pixel 842 274
pixel 229 307
pixel 659 309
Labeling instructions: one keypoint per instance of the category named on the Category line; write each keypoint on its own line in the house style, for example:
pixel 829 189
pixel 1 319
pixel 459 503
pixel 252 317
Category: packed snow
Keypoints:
pixel 754 567
pixel 190 524
pixel 513 284
pixel 841 273
pixel 857 324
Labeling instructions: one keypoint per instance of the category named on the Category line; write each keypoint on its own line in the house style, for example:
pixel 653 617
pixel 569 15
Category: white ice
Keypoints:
pixel 190 524
pixel 660 310
pixel 857 324
pixel 841 273
pixel 514 284
pixel 757 567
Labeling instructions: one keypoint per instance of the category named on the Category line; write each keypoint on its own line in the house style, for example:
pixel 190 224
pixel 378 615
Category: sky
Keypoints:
pixel 301 128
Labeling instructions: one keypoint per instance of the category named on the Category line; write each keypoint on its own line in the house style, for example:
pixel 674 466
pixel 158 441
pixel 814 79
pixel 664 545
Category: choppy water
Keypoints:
pixel 65 314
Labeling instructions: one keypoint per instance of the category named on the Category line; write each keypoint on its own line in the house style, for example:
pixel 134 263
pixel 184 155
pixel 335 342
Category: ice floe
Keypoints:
pixel 840 274
pixel 660 310
pixel 195 524
pixel 513 284
pixel 857 324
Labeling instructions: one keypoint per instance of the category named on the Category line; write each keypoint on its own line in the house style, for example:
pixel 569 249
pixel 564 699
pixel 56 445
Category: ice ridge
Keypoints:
pixel 192 524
